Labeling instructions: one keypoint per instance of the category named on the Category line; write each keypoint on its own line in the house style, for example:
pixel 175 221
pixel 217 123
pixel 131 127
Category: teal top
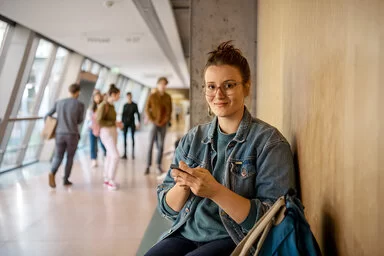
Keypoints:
pixel 205 224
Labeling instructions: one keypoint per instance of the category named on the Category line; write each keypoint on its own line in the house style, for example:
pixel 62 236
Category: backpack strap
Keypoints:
pixel 261 228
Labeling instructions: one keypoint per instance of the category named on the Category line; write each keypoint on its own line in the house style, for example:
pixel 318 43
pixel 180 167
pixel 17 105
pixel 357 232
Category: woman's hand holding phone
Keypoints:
pixel 176 167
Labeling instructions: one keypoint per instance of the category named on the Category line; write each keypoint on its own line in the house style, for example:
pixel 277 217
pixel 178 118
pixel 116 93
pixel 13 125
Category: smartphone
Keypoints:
pixel 175 166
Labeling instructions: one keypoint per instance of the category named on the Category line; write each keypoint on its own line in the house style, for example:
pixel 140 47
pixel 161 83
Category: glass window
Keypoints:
pixel 143 98
pixel 95 68
pixel 14 145
pixel 54 79
pixel 102 78
pixel 3 32
pixel 123 96
pixel 119 83
pixel 34 80
pixel 34 142
pixel 87 64
pixel 109 79
pixel 136 91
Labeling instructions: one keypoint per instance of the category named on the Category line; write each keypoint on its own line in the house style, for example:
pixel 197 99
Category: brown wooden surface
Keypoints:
pixel 87 76
pixel 320 81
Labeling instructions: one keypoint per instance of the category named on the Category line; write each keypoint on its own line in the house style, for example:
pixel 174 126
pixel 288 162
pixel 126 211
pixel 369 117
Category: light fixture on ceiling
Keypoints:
pixel 109 3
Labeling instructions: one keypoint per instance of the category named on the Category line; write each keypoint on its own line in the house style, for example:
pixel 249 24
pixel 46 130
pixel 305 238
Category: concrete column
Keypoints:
pixel 213 22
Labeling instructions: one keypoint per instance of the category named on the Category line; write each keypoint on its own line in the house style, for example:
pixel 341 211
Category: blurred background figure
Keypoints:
pixel 128 119
pixel 106 117
pixel 94 127
pixel 70 113
pixel 158 111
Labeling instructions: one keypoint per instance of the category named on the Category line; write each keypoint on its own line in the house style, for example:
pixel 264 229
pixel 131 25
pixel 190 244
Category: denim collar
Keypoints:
pixel 241 133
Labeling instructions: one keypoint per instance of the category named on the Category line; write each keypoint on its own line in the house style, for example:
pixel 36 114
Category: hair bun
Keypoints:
pixel 112 86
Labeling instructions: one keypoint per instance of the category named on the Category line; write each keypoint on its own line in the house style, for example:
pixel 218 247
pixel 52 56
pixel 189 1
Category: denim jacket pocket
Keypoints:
pixel 243 178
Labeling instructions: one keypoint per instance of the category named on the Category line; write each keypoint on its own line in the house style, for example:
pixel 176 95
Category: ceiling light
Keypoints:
pixel 109 3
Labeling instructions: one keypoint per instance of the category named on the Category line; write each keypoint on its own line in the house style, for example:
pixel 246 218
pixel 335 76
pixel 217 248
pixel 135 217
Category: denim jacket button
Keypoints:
pixel 187 210
pixel 243 172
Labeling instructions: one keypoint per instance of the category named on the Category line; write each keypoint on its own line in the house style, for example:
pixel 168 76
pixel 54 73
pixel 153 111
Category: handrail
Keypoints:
pixel 25 118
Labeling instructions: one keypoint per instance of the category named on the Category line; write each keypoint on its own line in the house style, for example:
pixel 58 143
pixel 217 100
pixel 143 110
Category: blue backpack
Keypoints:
pixel 283 230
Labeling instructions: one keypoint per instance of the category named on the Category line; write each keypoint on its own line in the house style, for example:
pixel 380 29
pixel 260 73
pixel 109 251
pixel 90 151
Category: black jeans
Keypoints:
pixel 65 143
pixel 133 129
pixel 179 246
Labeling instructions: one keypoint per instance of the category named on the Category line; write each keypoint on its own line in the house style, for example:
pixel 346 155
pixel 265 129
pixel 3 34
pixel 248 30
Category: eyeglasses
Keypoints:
pixel 227 88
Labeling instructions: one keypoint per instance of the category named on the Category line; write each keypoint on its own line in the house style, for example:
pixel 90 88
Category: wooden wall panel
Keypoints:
pixel 320 80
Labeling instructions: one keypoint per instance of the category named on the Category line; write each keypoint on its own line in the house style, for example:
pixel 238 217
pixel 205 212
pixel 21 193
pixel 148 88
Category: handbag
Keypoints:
pixel 95 127
pixel 49 128
pixel 282 230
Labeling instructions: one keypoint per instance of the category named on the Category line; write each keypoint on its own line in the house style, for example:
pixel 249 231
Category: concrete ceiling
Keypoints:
pixel 139 37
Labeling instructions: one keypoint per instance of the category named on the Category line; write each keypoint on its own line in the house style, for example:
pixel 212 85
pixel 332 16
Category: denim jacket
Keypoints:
pixel 259 167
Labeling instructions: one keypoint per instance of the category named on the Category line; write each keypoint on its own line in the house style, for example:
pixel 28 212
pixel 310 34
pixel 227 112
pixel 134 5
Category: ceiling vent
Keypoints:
pixel 101 40
pixel 133 39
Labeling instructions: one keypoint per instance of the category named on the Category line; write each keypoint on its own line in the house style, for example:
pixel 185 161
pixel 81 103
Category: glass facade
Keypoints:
pixel 35 142
pixel 3 32
pixel 28 102
pixel 15 143
pixel 39 87
pixel 51 88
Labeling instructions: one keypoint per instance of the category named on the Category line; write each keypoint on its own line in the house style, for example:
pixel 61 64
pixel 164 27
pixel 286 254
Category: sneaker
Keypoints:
pixel 51 179
pixel 124 157
pixel 106 183
pixel 67 183
pixel 112 185
pixel 146 171
pixel 93 163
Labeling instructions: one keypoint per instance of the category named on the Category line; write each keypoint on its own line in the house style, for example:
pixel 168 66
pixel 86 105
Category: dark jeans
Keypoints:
pixel 179 246
pixel 156 133
pixel 93 145
pixel 133 129
pixel 65 143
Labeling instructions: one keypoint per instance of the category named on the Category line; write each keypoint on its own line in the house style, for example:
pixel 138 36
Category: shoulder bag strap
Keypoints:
pixel 260 229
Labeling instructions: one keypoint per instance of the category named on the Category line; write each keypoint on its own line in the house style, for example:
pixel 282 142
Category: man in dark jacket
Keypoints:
pixel 130 108
pixel 70 113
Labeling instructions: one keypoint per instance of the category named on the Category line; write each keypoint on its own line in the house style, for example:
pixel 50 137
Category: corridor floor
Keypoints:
pixel 85 219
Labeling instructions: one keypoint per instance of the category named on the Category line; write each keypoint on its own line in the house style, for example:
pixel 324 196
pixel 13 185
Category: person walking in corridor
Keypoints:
pixel 106 117
pixel 70 113
pixel 158 110
pixel 128 118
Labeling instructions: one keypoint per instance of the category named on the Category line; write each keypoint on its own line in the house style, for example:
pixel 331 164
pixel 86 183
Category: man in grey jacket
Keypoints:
pixel 70 113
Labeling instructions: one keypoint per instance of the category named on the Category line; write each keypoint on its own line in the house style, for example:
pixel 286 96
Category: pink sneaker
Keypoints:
pixel 106 183
pixel 112 185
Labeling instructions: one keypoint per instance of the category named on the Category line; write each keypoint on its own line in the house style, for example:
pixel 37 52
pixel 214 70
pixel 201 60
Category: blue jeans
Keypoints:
pixel 93 145
pixel 179 245
pixel 157 134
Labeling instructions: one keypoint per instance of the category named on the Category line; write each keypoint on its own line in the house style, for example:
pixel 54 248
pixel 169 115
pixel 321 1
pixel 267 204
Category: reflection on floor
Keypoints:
pixel 85 219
